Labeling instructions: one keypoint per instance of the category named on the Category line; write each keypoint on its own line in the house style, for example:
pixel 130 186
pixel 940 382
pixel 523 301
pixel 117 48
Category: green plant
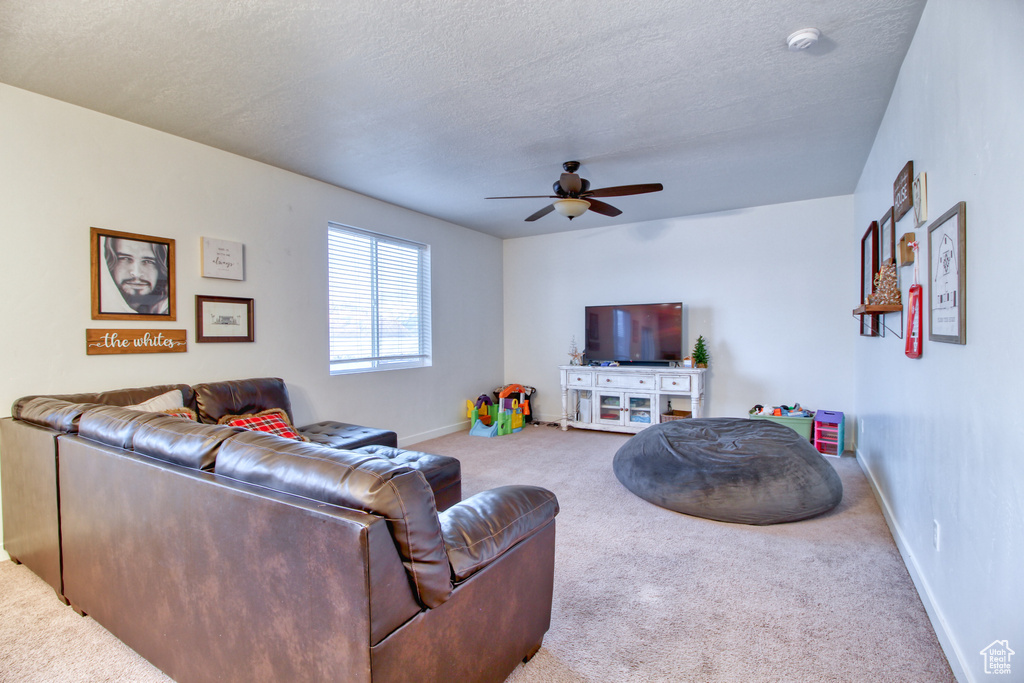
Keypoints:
pixel 700 353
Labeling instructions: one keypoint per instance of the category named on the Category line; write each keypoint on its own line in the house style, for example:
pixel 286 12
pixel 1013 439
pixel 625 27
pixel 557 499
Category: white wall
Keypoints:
pixel 64 169
pixel 770 288
pixel 941 436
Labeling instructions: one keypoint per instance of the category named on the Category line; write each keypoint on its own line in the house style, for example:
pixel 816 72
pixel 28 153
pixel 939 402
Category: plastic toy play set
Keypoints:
pixel 500 417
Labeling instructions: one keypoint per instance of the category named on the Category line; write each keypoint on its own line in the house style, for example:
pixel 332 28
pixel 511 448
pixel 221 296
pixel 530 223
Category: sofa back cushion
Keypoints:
pixel 54 413
pixel 181 441
pixel 117 397
pixel 116 426
pixel 214 400
pixel 360 481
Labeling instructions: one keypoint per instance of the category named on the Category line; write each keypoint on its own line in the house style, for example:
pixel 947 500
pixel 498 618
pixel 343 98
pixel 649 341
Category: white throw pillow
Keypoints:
pixel 157 404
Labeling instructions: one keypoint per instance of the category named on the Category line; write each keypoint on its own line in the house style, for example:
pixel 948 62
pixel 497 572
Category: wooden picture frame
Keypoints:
pixel 902 191
pixel 132 276
pixel 947 277
pixel 224 319
pixel 886 237
pixel 868 268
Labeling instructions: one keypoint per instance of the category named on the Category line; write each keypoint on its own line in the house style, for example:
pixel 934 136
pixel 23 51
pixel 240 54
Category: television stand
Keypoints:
pixel 627 398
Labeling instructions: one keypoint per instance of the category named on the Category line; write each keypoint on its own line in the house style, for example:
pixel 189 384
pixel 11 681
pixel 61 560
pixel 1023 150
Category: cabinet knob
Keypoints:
pixel 607 380
pixel 674 383
pixel 641 381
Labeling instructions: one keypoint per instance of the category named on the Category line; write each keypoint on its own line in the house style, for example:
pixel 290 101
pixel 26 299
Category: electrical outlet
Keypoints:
pixel 935 533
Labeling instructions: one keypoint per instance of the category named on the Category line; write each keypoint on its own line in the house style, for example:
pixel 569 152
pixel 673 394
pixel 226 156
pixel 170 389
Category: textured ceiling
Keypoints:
pixel 435 105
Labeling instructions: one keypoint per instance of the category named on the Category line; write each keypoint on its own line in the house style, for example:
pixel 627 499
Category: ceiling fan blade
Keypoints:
pixel 624 190
pixel 571 183
pixel 527 196
pixel 543 212
pixel 602 208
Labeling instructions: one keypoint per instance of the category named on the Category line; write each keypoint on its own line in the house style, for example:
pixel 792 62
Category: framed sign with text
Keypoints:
pixel 116 342
pixel 222 259
pixel 903 191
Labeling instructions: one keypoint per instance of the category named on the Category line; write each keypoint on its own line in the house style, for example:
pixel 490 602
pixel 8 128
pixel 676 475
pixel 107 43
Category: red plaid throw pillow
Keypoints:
pixel 273 421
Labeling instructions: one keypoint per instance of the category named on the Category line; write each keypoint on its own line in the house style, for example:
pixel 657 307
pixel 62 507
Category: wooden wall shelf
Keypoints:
pixel 867 309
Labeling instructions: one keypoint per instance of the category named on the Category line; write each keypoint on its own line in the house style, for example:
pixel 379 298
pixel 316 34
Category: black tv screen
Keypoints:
pixel 639 333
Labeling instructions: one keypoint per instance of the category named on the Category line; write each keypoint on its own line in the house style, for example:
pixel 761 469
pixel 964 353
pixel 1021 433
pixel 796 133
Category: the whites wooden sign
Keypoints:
pixel 102 342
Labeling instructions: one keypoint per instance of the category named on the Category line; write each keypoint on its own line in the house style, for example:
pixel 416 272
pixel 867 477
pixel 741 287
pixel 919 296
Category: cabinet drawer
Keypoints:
pixel 579 379
pixel 681 383
pixel 625 381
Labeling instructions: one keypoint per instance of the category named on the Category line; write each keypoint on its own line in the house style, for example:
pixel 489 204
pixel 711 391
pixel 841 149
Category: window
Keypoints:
pixel 378 301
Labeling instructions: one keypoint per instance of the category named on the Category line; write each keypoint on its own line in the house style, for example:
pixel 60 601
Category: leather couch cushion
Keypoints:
pixel 348 436
pixel 214 400
pixel 54 413
pixel 182 442
pixel 116 426
pixel 443 473
pixel 484 526
pixel 363 482
pixel 117 397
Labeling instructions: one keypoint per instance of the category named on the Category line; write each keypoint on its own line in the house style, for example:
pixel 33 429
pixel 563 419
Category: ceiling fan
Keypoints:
pixel 573 195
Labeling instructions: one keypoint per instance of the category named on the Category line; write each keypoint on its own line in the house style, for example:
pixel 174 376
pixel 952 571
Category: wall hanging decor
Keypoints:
pixel 132 276
pixel 868 268
pixel 947 277
pixel 113 342
pixel 886 237
pixel 902 192
pixel 920 196
pixel 224 319
pixel 222 259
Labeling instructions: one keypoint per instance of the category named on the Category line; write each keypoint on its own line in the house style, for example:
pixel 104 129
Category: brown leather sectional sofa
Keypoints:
pixel 221 554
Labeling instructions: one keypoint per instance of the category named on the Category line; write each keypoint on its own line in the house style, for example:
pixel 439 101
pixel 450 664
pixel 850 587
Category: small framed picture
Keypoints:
pixel 947 277
pixel 132 276
pixel 886 237
pixel 868 268
pixel 224 319
pixel 222 259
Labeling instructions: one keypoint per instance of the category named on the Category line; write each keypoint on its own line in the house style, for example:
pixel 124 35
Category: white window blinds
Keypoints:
pixel 378 300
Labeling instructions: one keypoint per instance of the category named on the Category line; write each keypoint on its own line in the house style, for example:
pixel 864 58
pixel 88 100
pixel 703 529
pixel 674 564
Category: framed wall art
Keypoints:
pixel 868 268
pixel 224 319
pixel 132 276
pixel 886 237
pixel 902 192
pixel 947 277
pixel 222 259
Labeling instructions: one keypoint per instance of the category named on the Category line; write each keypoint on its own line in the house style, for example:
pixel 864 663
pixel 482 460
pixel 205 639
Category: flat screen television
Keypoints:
pixel 639 333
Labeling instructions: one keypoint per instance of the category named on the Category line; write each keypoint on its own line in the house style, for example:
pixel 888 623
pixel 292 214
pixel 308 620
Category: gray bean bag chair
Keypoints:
pixel 730 470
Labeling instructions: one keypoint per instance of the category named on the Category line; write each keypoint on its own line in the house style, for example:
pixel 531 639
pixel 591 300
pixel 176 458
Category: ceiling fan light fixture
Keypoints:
pixel 803 39
pixel 571 208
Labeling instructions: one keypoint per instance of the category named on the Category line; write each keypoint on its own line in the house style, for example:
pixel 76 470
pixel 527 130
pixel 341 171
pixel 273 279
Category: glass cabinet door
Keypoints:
pixel 609 408
pixel 640 410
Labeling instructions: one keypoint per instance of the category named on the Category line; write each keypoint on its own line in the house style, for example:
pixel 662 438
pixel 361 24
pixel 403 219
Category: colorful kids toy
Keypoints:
pixel 482 415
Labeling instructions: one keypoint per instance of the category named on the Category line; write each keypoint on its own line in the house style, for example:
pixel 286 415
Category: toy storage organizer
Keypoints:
pixel 829 437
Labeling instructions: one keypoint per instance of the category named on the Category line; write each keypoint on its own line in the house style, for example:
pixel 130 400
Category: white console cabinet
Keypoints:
pixel 627 398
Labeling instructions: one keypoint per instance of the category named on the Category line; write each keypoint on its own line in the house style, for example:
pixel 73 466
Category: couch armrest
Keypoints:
pixel 481 528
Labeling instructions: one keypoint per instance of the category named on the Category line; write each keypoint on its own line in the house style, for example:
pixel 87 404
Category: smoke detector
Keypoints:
pixel 803 39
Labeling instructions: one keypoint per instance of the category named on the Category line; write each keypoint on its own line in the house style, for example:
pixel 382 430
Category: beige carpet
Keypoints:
pixel 641 593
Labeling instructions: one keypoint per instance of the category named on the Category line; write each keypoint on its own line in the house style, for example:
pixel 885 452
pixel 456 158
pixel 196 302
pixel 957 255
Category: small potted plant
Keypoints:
pixel 700 353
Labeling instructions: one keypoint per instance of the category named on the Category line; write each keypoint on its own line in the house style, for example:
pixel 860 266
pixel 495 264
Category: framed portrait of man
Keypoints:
pixel 132 276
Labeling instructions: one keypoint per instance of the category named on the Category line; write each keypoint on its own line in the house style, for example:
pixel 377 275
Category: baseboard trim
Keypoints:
pixel 953 655
pixel 433 433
